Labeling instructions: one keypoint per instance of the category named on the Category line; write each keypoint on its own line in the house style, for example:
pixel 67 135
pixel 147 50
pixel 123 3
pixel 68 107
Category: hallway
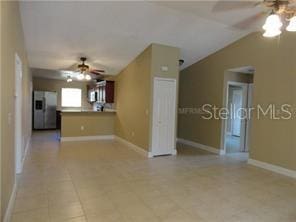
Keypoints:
pixel 106 181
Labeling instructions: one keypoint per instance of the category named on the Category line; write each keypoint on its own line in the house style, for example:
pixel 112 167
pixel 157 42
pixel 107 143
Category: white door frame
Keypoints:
pixel 249 122
pixel 18 115
pixel 174 152
pixel 244 122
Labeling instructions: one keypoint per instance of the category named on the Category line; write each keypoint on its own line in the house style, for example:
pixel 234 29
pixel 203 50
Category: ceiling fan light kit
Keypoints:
pixel 272 33
pixel 272 22
pixel 280 10
pixel 84 72
pixel 80 76
pixel 69 79
pixel 87 77
pixel 292 24
pixel 272 26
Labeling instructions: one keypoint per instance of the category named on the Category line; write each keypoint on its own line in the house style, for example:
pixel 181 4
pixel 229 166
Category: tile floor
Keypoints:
pixel 106 181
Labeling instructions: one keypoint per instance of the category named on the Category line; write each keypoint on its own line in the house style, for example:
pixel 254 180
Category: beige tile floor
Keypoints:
pixel 106 181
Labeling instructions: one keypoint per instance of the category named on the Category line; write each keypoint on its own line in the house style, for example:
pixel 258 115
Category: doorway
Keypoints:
pixel 164 117
pixel 18 115
pixel 236 133
pixel 234 123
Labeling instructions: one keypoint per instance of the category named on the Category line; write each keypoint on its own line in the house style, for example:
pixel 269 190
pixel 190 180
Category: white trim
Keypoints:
pixel 201 146
pixel 86 138
pixel 166 79
pixel 174 153
pixel 9 210
pixel 20 170
pixel 134 147
pixel 273 168
pixel 18 134
pixel 222 152
pixel 150 155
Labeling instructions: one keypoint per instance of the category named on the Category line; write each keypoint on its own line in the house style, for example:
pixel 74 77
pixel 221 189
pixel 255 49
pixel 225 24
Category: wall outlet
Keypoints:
pixel 133 133
pixel 82 127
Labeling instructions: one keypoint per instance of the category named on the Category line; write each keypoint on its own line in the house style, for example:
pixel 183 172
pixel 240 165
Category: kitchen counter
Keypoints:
pixel 89 111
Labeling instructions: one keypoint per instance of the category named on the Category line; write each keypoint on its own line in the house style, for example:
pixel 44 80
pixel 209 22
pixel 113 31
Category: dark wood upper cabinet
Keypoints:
pixel 105 91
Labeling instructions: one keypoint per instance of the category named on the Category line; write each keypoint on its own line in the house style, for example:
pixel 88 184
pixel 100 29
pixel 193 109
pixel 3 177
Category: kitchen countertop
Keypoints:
pixel 89 111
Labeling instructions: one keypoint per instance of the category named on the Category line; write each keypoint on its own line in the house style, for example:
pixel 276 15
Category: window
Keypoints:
pixel 71 97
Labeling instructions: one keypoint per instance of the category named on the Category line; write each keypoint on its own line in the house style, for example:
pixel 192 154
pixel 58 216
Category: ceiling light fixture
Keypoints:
pixel 69 79
pixel 273 21
pixel 80 76
pixel 272 33
pixel 292 24
pixel 272 25
pixel 87 77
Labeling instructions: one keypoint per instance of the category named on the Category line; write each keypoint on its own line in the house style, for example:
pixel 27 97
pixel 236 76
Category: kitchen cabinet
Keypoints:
pixel 105 91
pixel 91 93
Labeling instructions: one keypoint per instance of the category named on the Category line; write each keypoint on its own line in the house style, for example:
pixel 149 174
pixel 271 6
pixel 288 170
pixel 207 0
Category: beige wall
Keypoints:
pixel 57 85
pixel 12 41
pixel 272 141
pixel 95 124
pixel 134 90
pixel 132 95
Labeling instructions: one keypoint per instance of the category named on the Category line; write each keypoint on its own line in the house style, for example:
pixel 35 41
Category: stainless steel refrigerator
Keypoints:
pixel 45 105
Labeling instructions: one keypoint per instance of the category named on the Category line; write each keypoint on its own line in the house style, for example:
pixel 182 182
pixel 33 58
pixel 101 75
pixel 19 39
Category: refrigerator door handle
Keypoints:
pixel 44 104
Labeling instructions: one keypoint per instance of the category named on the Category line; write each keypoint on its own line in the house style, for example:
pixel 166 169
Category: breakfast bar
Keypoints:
pixel 87 124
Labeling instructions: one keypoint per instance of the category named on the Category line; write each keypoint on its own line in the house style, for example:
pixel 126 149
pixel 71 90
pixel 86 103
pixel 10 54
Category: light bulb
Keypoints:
pixel 292 25
pixel 87 77
pixel 273 22
pixel 80 76
pixel 69 79
pixel 272 33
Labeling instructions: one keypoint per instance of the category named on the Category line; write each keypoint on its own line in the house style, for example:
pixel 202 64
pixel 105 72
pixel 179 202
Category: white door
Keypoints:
pixel 164 116
pixel 237 104
pixel 18 115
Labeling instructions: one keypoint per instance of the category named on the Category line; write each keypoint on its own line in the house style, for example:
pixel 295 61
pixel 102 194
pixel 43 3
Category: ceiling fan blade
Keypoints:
pixel 247 23
pixel 222 6
pixel 97 70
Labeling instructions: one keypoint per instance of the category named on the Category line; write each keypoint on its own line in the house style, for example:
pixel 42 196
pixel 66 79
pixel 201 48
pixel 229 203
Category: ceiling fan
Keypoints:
pixel 85 72
pixel 278 11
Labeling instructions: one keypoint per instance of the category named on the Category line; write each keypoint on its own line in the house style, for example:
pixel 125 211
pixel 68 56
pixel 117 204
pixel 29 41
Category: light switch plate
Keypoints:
pixel 164 68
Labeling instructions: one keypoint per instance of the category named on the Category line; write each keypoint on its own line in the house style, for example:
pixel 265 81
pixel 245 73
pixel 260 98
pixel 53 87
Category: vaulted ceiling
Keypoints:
pixel 111 34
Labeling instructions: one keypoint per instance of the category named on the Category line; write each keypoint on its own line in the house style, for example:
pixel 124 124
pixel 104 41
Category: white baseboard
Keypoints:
pixel 9 210
pixel 26 151
pixel 150 155
pixel 134 147
pixel 19 170
pixel 201 146
pixel 86 138
pixel 174 153
pixel 274 168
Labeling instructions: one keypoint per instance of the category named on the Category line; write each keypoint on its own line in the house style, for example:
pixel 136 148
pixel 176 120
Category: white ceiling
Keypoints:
pixel 111 34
